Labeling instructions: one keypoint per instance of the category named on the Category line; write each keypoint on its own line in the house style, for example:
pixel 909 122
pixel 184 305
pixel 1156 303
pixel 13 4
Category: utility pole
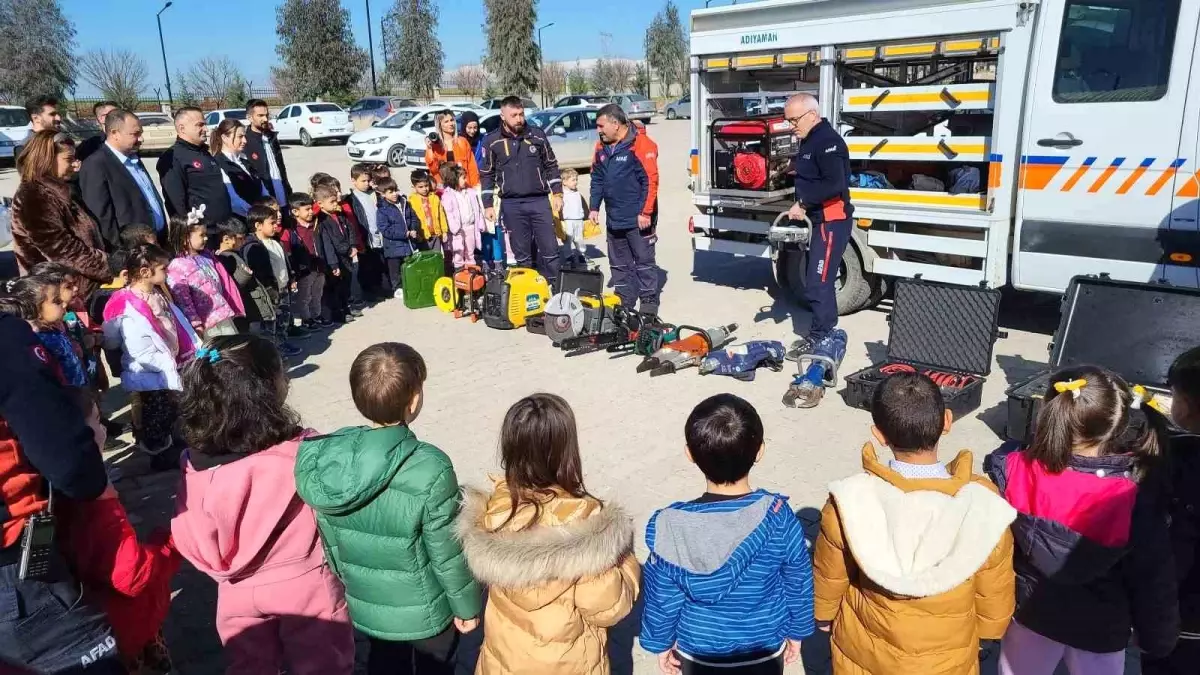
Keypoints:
pixel 383 45
pixel 163 45
pixel 371 48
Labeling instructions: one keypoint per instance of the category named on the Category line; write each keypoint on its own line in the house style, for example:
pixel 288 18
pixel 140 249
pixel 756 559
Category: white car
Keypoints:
pixel 461 106
pixel 398 139
pixel 215 117
pixel 14 129
pixel 312 122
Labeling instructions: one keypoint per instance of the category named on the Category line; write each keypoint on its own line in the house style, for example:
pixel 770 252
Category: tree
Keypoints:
pixel 318 48
pixel 666 48
pixel 36 41
pixel 641 80
pixel 119 74
pixel 577 80
pixel 471 81
pixel 416 58
pixel 184 94
pixel 212 77
pixel 284 83
pixel 622 72
pixel 603 78
pixel 553 79
pixel 238 93
pixel 512 53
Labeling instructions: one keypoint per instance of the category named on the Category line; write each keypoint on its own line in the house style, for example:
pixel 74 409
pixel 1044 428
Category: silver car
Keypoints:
pixel 636 106
pixel 681 109
pixel 572 133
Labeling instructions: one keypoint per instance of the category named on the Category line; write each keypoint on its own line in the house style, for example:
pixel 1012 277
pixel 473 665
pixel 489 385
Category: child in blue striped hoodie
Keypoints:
pixel 728 584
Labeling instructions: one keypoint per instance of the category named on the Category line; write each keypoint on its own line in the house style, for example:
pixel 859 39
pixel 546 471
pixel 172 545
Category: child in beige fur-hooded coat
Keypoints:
pixel 559 568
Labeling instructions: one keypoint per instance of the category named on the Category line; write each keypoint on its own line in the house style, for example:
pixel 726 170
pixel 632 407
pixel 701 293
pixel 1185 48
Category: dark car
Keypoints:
pixel 370 109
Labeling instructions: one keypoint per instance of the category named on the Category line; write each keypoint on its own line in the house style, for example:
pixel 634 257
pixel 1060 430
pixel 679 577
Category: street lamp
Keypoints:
pixel 542 63
pixel 163 46
pixel 371 47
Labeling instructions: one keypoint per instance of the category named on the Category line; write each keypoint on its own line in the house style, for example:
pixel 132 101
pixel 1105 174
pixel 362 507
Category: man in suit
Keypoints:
pixel 116 187
pixel 262 149
pixel 94 143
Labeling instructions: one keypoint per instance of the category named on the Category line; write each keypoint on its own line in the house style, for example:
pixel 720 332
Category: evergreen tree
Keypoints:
pixel 318 48
pixel 577 80
pixel 36 41
pixel 666 48
pixel 417 58
pixel 512 52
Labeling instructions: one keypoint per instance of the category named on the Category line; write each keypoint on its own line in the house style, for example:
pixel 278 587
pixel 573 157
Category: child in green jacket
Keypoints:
pixel 385 505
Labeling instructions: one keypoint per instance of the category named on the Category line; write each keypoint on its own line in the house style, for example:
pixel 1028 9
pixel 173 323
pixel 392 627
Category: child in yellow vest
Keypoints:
pixel 427 208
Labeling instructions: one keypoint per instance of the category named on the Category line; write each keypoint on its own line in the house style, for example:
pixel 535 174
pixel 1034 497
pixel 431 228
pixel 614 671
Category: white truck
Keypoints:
pixel 1082 118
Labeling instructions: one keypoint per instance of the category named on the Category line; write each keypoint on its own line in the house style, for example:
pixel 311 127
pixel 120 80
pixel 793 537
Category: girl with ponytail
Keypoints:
pixel 1093 557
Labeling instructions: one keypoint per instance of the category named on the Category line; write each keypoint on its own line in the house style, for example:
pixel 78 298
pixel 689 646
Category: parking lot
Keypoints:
pixel 631 426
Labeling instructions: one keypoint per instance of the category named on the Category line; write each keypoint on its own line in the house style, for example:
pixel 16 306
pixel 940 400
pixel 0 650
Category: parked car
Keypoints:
pixel 312 122
pixel 14 129
pixel 636 106
pixel 370 109
pixel 494 104
pixel 398 139
pixel 680 109
pixel 572 133
pixel 489 122
pixel 593 100
pixel 158 131
pixel 215 117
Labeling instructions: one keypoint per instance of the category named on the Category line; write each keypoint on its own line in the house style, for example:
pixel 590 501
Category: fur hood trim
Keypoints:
pixel 920 543
pixel 542 553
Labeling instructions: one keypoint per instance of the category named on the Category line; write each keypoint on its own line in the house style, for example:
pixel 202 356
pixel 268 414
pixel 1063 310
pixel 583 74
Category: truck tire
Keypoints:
pixel 854 289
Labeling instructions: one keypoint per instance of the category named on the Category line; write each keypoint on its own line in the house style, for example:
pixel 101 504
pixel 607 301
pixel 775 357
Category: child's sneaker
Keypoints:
pixel 399 294
pixel 289 349
pixel 323 322
pixel 297 333
pixel 354 311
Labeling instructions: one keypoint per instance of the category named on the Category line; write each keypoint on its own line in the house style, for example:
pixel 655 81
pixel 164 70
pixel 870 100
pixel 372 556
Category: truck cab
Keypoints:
pixel 993 142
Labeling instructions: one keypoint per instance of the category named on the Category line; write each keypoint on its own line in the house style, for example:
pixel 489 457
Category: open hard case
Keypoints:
pixel 1134 329
pixel 949 330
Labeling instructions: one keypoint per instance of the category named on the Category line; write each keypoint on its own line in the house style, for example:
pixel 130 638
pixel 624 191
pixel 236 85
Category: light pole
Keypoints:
pixel 163 46
pixel 371 47
pixel 542 64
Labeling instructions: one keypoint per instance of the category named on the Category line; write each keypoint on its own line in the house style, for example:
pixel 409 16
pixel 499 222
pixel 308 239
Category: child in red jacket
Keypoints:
pixel 132 579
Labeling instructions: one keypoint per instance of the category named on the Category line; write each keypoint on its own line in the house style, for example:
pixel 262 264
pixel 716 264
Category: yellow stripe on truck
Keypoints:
pixel 927 97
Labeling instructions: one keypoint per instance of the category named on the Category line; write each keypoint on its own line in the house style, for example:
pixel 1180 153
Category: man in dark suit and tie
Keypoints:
pixel 116 187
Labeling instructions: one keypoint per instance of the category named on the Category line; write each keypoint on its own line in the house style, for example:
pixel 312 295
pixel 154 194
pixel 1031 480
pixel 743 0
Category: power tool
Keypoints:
pixel 461 294
pixel 741 361
pixel 686 351
pixel 509 300
pixel 816 371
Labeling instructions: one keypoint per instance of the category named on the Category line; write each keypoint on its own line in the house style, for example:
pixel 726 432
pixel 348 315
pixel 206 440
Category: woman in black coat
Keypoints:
pixel 244 185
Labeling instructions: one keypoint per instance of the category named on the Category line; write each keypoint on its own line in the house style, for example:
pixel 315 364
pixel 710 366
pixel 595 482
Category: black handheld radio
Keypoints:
pixel 37 543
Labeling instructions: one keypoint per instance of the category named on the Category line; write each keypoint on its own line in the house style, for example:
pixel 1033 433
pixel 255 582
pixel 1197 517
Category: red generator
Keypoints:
pixel 752 154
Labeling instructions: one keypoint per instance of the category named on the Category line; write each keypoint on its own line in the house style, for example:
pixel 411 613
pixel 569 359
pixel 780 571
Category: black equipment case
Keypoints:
pixel 940 328
pixel 1134 329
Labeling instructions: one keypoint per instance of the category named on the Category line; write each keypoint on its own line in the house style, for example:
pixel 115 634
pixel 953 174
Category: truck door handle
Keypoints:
pixel 1061 141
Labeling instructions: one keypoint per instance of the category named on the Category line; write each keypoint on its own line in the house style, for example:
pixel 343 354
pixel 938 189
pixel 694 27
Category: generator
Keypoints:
pixel 461 294
pixel 752 155
pixel 510 300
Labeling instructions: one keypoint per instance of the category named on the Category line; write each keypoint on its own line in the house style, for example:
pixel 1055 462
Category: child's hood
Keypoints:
pixel 715 542
pixel 245 518
pixel 339 473
pixel 921 537
pixel 537 561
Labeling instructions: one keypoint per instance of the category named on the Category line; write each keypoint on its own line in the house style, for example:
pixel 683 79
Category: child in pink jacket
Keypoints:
pixel 464 216
pixel 240 521
pixel 200 285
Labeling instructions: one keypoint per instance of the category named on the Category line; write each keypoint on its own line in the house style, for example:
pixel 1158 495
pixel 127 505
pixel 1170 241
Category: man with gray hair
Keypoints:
pixel 115 185
pixel 823 195
pixel 189 175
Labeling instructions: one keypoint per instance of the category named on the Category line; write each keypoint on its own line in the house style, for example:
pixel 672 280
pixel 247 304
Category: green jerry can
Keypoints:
pixel 420 271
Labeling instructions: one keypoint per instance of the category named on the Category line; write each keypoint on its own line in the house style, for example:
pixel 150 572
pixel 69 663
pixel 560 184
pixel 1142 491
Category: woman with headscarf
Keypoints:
pixel 468 124
pixel 243 184
pixel 445 145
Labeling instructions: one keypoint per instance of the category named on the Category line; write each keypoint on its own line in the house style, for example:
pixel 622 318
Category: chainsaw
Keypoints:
pixel 640 334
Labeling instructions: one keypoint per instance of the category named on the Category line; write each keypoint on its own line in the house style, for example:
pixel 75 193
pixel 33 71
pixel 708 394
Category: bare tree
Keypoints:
pixel 212 77
pixel 119 74
pixel 553 79
pixel 471 81
pixel 621 72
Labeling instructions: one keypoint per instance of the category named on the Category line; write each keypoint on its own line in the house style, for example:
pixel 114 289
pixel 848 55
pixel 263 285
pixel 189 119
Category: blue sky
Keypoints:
pixel 245 30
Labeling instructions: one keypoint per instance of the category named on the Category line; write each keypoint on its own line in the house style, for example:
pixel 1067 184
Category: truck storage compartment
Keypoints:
pixel 1134 329
pixel 752 156
pixel 943 331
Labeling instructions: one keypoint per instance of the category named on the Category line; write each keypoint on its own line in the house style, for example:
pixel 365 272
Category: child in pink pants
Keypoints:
pixel 279 606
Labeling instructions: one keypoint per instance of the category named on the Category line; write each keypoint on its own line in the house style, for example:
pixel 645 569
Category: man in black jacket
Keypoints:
pixel 116 186
pixel 91 144
pixel 45 625
pixel 262 149
pixel 519 167
pixel 190 176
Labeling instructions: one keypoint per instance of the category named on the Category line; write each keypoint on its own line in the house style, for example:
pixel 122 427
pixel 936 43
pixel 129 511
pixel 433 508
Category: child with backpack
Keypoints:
pixel 558 562
pixel 308 266
pixel 1093 559
pixel 400 232
pixel 264 255
pixel 913 563
pixel 385 504
pixel 464 217
pixel 279 605
pixel 338 250
pixel 729 585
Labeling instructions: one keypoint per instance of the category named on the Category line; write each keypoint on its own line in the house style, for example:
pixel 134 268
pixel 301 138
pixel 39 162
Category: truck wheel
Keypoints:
pixel 854 289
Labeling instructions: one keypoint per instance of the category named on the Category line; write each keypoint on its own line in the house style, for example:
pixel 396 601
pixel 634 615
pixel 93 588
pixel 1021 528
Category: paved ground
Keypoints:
pixel 630 426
